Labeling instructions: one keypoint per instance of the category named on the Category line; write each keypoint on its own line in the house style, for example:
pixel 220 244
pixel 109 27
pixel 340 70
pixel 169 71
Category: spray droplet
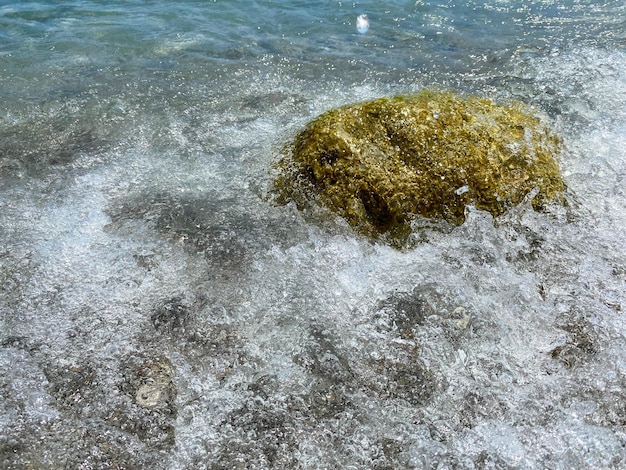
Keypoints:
pixel 362 24
pixel 462 190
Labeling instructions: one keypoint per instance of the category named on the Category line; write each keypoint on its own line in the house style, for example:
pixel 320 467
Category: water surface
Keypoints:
pixel 158 311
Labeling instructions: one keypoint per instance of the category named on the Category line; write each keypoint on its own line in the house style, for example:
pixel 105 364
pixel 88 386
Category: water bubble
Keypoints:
pixel 362 23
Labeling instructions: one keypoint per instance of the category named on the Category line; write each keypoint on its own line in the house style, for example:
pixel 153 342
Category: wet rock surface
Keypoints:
pixel 381 163
pixel 219 230
pixel 78 408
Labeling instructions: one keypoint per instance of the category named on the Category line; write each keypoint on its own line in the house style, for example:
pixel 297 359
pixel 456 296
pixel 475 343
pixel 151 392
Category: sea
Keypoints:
pixel 160 310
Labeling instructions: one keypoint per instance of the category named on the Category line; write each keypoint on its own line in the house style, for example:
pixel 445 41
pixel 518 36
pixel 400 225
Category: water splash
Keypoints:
pixel 362 24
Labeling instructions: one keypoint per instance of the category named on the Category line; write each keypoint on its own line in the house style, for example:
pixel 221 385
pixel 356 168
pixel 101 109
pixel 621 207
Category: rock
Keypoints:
pixel 381 164
pixel 154 387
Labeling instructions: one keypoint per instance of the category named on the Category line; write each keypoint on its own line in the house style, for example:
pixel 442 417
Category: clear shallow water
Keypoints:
pixel 159 312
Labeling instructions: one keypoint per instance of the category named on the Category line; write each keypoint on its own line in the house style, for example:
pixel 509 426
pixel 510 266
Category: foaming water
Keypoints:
pixel 158 311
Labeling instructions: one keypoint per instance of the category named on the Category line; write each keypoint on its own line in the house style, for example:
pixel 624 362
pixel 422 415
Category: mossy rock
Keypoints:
pixel 382 163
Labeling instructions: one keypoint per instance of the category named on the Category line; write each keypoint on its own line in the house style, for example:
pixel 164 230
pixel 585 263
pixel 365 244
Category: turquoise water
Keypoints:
pixel 158 311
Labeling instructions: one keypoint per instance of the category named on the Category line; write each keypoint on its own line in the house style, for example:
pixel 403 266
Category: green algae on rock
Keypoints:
pixel 382 163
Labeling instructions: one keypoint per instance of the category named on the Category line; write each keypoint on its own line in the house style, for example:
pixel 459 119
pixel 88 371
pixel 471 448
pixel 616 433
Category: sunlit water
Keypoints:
pixel 159 311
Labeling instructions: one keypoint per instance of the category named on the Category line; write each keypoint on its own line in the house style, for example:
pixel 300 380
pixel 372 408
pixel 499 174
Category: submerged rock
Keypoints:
pixel 382 163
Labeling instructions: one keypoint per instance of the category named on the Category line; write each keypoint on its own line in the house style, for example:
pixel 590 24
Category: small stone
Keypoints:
pixel 148 395
pixel 154 386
